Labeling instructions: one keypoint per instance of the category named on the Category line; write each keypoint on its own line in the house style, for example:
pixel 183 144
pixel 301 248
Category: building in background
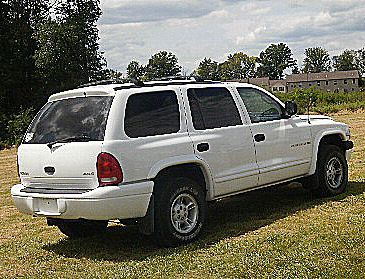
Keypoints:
pixel 339 81
pixel 263 82
pixel 278 85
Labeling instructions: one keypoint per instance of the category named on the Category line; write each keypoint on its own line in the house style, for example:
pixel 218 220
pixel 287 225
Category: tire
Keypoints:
pixel 180 211
pixel 81 228
pixel 331 176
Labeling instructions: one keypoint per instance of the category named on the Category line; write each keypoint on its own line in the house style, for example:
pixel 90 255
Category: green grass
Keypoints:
pixel 280 232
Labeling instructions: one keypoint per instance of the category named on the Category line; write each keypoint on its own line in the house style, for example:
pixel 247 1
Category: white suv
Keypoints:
pixel 155 153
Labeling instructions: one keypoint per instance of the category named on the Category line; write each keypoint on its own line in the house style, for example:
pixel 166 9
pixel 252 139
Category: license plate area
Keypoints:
pixel 49 206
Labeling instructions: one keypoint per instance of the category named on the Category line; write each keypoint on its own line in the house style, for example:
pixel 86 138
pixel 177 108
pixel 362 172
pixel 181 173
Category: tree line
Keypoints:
pixel 272 62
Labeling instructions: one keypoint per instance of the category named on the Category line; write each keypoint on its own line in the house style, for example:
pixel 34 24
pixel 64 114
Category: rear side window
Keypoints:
pixel 74 117
pixel 213 108
pixel 150 114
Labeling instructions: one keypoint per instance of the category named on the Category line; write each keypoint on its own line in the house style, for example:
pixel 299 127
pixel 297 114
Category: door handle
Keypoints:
pixel 204 146
pixel 259 137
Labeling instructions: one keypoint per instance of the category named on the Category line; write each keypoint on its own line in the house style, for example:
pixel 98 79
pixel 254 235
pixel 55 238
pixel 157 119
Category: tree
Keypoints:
pixel 295 69
pixel 274 60
pixel 162 64
pixel 135 70
pixel 19 81
pixel 110 74
pixel 68 50
pixel 345 61
pixel 360 61
pixel 208 69
pixel 316 60
pixel 238 66
pixel 42 52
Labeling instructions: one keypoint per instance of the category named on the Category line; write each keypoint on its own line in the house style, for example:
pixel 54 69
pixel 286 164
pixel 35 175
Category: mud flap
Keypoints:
pixel 147 223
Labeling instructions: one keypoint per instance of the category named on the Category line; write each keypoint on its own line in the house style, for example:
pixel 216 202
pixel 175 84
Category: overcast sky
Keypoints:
pixel 136 29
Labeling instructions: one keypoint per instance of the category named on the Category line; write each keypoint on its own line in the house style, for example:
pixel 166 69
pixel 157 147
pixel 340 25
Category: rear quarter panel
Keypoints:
pixel 141 158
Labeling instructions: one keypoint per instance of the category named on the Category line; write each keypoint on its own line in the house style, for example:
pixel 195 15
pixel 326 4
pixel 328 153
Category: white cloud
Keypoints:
pixel 255 8
pixel 195 29
pixel 252 36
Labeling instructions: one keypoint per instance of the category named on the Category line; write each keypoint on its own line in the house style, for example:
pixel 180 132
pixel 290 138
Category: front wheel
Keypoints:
pixel 180 210
pixel 331 176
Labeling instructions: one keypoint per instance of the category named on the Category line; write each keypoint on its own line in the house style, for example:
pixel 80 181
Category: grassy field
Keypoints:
pixel 282 232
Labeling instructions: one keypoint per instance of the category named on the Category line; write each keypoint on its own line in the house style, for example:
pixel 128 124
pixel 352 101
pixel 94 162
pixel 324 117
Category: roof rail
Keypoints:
pixel 136 82
pixel 101 82
pixel 165 81
pixel 172 78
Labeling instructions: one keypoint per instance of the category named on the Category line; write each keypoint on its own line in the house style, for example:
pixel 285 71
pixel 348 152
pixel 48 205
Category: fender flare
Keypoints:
pixel 316 142
pixel 186 159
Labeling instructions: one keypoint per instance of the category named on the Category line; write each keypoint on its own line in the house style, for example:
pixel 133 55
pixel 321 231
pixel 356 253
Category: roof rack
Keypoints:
pixel 113 81
pixel 165 81
pixel 172 78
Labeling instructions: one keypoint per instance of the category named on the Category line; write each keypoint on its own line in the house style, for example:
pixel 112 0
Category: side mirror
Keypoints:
pixel 291 108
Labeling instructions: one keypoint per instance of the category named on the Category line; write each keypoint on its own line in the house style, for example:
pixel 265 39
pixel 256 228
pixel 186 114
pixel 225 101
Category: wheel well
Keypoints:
pixel 334 139
pixel 192 171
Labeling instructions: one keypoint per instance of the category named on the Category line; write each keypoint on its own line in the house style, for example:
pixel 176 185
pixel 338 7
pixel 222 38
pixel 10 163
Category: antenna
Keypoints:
pixel 309 105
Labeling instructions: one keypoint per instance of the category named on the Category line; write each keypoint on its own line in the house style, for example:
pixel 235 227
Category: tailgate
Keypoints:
pixel 64 166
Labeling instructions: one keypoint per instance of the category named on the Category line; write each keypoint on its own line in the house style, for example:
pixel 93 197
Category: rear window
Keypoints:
pixel 150 114
pixel 74 117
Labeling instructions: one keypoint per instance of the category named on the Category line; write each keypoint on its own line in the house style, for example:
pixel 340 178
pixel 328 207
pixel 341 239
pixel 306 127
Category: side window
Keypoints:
pixel 213 108
pixel 150 114
pixel 260 106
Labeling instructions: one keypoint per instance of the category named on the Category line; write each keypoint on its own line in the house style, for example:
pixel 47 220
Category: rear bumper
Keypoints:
pixel 103 203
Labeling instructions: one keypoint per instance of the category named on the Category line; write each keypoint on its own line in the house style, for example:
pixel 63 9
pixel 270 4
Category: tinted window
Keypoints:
pixel 74 117
pixel 260 106
pixel 213 108
pixel 149 114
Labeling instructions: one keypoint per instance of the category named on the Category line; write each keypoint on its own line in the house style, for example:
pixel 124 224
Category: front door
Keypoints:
pixel 221 138
pixel 283 145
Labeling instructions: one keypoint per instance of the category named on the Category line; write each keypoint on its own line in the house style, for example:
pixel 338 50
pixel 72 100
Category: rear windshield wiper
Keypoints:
pixel 70 139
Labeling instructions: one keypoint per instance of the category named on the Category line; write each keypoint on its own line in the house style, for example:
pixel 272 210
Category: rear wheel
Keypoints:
pixel 81 228
pixel 331 176
pixel 180 211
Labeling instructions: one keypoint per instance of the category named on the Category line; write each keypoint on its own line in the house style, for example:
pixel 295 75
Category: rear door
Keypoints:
pixel 60 148
pixel 221 138
pixel 283 145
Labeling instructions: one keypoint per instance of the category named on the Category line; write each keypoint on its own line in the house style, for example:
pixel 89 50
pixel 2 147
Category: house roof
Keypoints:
pixel 322 76
pixel 259 81
pixel 277 82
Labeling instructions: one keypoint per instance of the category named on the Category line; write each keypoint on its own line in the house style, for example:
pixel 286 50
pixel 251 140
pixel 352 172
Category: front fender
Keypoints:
pixel 316 142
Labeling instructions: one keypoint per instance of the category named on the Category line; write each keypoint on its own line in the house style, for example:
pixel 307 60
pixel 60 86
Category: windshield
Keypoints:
pixel 83 117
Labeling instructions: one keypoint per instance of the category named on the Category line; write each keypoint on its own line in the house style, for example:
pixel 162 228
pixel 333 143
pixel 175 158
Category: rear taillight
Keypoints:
pixel 109 170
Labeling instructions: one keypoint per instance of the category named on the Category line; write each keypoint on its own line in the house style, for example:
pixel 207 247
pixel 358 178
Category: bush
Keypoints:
pixel 17 126
pixel 324 102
